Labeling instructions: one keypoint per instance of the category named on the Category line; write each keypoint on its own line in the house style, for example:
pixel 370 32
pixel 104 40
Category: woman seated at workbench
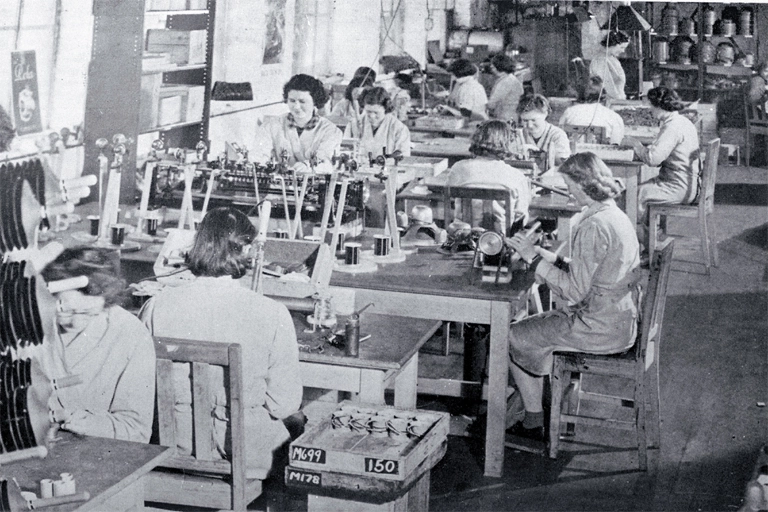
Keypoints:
pixel 107 347
pixel 468 95
pixel 216 307
pixel 507 91
pixel 379 129
pixel 590 112
pixel 302 134
pixel 600 282
pixel 490 146
pixel 533 110
pixel 349 107
pixel 676 150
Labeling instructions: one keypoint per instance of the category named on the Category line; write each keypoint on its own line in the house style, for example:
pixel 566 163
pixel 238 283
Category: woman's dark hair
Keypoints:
pixel 100 266
pixel 219 243
pixel 592 175
pixel 376 96
pixel 357 81
pixel 530 102
pixel 365 72
pixel 491 140
pixel 7 132
pixel 590 90
pixel 461 68
pixel 309 84
pixel 615 38
pixel 503 63
pixel 665 99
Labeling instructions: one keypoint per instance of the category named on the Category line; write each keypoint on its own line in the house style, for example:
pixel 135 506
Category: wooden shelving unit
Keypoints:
pixel 115 102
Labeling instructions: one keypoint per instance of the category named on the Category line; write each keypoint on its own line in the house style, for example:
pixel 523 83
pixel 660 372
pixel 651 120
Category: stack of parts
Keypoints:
pixel 20 323
pixel 12 178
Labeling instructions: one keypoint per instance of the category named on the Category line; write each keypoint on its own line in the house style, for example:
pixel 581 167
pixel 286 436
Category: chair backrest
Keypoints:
pixel 502 195
pixel 753 114
pixel 709 174
pixel 203 357
pixel 588 134
pixel 654 300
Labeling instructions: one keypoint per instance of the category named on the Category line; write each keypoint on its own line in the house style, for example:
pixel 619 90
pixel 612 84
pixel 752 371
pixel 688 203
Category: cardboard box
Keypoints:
pixel 148 100
pixel 172 104
pixel 195 103
pixel 182 46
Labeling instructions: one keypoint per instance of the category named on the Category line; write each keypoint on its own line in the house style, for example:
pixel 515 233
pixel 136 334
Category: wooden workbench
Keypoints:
pixel 389 358
pixel 429 285
pixel 112 471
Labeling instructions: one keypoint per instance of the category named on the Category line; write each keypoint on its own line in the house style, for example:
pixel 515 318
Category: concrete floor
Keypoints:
pixel 714 384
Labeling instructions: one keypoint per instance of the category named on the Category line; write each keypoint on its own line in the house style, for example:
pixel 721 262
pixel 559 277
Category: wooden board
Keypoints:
pixel 341 450
pixel 109 469
pixel 357 488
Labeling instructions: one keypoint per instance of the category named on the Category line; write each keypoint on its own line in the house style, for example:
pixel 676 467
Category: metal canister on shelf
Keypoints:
pixel 669 19
pixel 686 27
pixel 709 20
pixel 745 22
pixel 727 28
pixel 726 54
pixel 660 51
pixel 705 53
pixel 682 47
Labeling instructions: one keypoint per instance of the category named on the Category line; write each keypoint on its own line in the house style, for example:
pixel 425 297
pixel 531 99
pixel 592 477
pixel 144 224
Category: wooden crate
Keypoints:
pixel 340 450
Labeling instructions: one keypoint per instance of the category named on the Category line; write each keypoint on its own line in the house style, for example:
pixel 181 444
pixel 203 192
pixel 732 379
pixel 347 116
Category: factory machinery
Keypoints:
pixel 235 180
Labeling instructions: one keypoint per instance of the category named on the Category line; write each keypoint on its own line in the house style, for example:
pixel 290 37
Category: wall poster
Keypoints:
pixel 26 97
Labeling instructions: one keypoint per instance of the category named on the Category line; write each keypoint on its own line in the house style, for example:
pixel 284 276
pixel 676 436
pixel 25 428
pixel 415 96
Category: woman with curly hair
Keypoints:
pixel 106 346
pixel 216 307
pixel 533 110
pixel 378 129
pixel 302 134
pixel 468 95
pixel 490 146
pixel 600 281
pixel 607 66
pixel 676 150
pixel 349 107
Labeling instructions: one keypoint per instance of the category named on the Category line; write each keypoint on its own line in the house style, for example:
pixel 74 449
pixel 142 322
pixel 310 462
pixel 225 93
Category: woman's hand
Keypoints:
pixel 523 247
pixel 631 141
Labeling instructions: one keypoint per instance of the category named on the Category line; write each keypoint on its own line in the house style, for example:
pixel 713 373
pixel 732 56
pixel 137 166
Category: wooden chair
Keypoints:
pixel 756 121
pixel 467 193
pixel 639 364
pixel 585 134
pixel 203 479
pixel 703 210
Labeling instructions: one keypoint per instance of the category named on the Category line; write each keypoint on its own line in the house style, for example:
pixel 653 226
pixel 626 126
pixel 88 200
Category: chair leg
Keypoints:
pixel 713 241
pixel 704 234
pixel 447 338
pixel 556 385
pixel 642 442
pixel 573 396
pixel 653 418
pixel 653 232
pixel 748 144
